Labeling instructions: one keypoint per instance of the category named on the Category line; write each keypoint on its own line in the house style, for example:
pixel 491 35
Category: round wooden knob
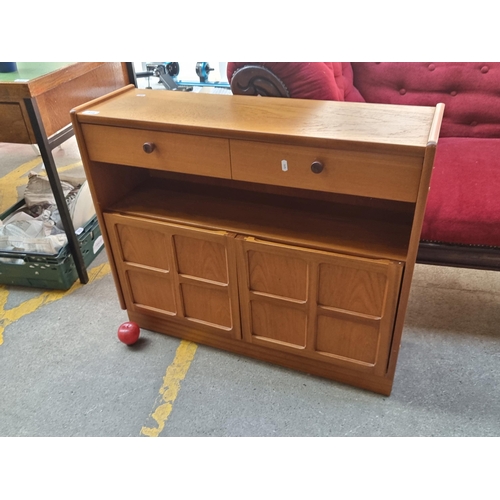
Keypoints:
pixel 148 147
pixel 316 167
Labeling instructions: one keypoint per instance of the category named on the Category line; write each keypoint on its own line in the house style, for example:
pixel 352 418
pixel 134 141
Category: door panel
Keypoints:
pixel 278 323
pixel 278 275
pixel 169 270
pixel 327 306
pixel 150 291
pixel 206 304
pixel 201 258
pixel 348 337
pixel 143 246
pixel 343 286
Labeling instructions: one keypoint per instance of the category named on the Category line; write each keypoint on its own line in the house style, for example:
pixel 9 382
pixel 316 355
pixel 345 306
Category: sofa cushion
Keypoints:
pixel 470 92
pixel 310 80
pixel 463 205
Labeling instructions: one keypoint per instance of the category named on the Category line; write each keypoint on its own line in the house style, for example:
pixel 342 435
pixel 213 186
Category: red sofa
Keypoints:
pixel 462 220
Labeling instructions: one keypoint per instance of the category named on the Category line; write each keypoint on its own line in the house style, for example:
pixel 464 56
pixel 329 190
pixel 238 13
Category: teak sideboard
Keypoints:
pixel 281 229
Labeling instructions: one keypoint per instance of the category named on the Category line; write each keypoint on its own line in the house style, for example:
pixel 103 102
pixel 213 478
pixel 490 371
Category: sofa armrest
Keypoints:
pixel 328 81
pixel 257 80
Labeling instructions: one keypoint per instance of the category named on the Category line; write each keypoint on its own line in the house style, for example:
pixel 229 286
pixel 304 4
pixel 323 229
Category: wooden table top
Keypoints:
pixel 30 70
pixel 35 78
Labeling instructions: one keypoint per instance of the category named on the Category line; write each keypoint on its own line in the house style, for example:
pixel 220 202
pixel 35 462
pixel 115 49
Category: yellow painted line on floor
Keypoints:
pixel 9 316
pixel 171 386
pixel 184 355
pixel 175 373
pixel 8 197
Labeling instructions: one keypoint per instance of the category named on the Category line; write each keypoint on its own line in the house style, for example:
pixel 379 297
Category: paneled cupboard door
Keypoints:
pixel 177 272
pixel 327 306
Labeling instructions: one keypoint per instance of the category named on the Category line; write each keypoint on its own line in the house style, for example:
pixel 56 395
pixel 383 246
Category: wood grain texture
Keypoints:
pixel 161 273
pixel 48 81
pixel 201 258
pixel 69 90
pixel 56 93
pixel 151 292
pixel 13 127
pixel 284 276
pixel 207 304
pixel 374 175
pixel 310 271
pixel 354 300
pixel 398 129
pixel 171 152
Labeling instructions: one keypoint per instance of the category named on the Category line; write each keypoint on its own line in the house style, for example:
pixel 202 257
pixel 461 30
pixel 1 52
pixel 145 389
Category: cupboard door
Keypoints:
pixel 176 272
pixel 322 305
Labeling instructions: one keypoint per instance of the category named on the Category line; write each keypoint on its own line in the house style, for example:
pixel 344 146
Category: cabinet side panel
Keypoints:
pixel 413 250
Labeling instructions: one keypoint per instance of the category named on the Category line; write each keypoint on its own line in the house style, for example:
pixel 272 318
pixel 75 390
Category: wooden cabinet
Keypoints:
pixel 284 230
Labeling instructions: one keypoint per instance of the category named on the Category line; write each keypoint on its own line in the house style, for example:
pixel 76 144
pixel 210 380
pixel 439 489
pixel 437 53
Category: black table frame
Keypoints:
pixel 46 146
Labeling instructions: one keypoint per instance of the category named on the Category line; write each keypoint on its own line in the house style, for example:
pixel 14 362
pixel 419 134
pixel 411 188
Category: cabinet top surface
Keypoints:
pixel 275 119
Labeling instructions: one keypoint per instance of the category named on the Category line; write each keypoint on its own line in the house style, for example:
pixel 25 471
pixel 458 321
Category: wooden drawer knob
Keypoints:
pixel 148 147
pixel 316 167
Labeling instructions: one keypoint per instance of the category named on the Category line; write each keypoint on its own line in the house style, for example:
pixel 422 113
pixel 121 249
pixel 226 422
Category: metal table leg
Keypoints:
pixel 46 146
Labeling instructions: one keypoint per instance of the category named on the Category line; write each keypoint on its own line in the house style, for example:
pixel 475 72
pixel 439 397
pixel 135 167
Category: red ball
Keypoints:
pixel 129 332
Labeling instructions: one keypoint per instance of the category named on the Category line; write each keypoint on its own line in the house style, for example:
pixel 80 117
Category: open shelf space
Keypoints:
pixel 367 231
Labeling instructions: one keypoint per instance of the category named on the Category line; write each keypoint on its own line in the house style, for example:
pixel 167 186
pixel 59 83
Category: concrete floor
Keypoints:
pixel 63 371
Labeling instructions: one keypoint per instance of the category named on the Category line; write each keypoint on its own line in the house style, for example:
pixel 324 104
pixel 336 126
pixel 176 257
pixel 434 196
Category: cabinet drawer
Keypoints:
pixel 185 153
pixel 374 175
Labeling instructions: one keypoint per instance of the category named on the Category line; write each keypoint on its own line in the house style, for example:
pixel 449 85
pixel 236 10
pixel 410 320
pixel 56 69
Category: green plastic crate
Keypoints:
pixel 55 272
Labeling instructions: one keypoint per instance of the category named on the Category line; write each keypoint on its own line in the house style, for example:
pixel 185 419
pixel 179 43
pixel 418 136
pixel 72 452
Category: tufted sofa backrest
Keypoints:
pixel 470 92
